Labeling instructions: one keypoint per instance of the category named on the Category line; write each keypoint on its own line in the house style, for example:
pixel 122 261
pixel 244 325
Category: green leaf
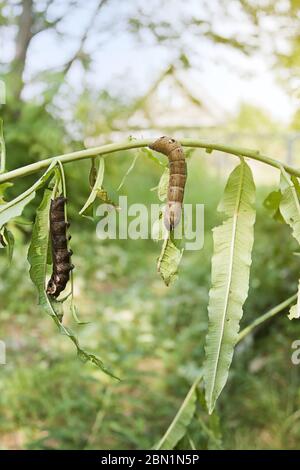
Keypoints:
pixel 14 208
pixel 37 258
pixel 169 260
pixel 272 204
pixel 289 205
pixel 290 210
pixel 97 187
pixel 180 423
pixel 151 156
pixel 3 188
pixel 10 244
pixel 38 250
pixel 128 172
pixel 233 241
pixel 7 241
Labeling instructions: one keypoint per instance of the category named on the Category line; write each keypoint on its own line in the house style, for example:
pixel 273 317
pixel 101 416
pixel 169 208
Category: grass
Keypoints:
pixel 152 336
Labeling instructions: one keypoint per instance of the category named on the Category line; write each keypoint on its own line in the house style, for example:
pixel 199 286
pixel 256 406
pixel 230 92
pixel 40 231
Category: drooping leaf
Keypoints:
pixel 290 210
pixel 146 151
pixel 7 242
pixel 96 188
pixel 180 423
pixel 38 249
pixel 290 205
pixel 131 167
pixel 233 241
pixel 169 260
pixel 272 204
pixel 37 258
pixel 14 208
pixel 10 245
pixel 10 211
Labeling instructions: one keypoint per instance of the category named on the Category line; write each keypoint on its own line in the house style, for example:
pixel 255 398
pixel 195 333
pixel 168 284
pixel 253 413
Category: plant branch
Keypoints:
pixel 134 144
pixel 269 314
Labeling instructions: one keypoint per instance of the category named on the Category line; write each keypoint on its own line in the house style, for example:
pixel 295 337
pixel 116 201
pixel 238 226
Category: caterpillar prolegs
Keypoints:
pixel 177 165
pixel 61 256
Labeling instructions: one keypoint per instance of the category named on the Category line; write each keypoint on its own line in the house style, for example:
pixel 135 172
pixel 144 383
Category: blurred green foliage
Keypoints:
pixel 151 335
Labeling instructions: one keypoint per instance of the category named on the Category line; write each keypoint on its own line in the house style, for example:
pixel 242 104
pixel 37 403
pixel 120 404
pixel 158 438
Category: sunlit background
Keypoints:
pixel 82 73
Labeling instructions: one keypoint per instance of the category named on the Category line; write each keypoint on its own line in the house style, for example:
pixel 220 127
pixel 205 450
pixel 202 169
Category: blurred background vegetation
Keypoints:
pixel 84 73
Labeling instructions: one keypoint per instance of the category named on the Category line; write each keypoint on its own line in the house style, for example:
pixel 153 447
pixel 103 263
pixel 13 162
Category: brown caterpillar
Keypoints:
pixel 61 256
pixel 173 150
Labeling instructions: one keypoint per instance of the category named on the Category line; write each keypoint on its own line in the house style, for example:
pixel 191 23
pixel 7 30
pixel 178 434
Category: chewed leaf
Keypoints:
pixel 37 258
pixel 169 260
pixel 233 241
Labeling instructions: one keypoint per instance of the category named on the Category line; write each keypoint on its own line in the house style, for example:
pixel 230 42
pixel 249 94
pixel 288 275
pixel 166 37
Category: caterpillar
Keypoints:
pixel 61 256
pixel 178 173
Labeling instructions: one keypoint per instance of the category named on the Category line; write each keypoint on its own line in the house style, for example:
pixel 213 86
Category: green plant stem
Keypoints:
pixel 133 144
pixel 270 313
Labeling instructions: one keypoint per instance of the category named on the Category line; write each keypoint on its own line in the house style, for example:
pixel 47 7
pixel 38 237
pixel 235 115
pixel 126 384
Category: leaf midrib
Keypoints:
pixel 233 238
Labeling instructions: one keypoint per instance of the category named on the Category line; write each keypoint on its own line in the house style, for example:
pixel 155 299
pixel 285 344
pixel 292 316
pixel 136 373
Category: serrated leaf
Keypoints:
pixel 169 260
pixel 97 187
pixel 180 423
pixel 290 210
pixel 233 241
pixel 163 186
pixel 37 258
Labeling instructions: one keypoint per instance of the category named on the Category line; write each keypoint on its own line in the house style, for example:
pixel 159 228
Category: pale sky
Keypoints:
pixel 123 65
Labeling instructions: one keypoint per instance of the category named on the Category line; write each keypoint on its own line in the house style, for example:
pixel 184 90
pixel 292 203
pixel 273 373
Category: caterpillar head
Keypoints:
pixel 165 145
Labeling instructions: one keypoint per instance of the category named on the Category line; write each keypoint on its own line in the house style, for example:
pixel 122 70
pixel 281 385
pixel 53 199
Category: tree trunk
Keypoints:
pixel 23 39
